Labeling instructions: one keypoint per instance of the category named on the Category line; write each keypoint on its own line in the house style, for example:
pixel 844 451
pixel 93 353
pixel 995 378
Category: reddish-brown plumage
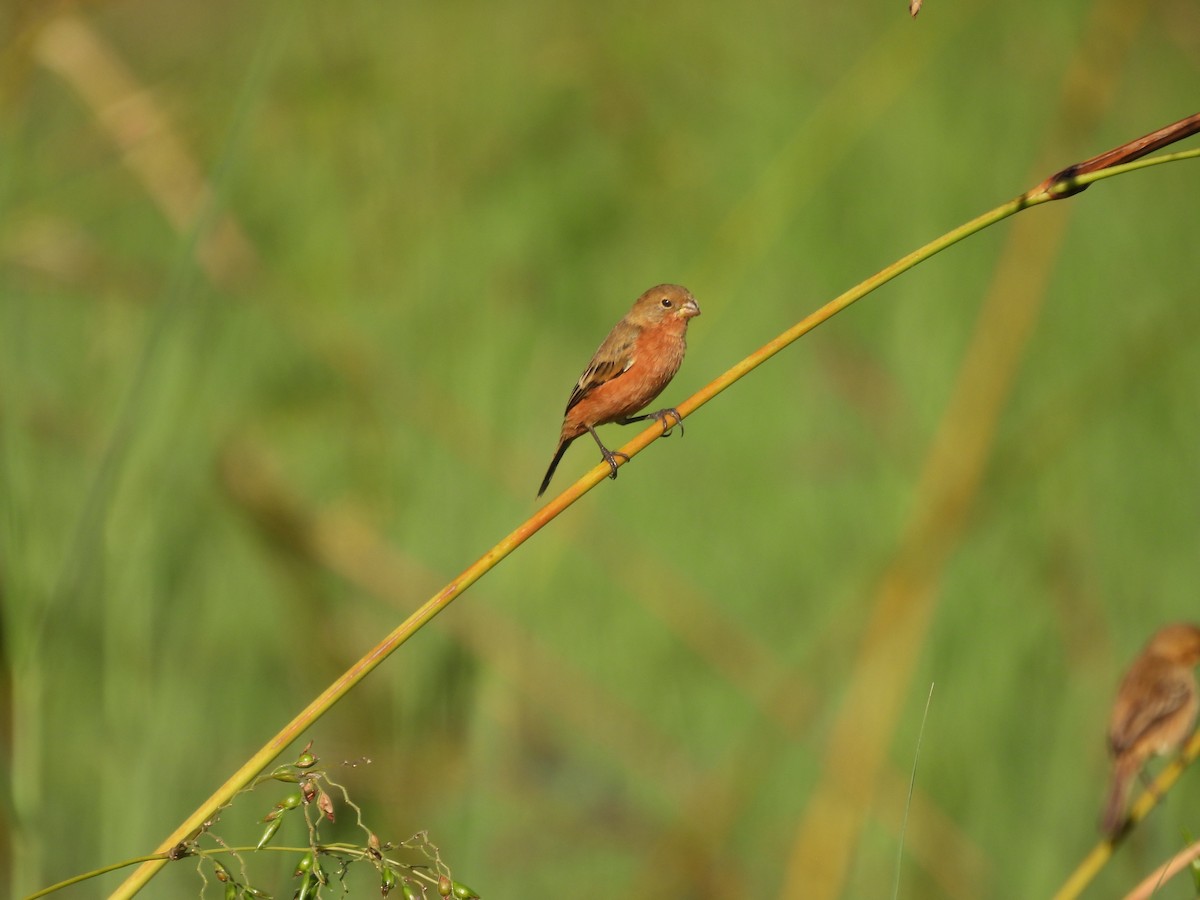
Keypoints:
pixel 631 367
pixel 1154 711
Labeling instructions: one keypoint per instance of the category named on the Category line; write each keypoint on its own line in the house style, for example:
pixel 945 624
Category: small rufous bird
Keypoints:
pixel 1154 712
pixel 637 360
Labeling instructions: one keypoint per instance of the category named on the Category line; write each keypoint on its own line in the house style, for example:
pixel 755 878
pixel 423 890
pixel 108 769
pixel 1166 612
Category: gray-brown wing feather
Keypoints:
pixel 612 358
pixel 1167 696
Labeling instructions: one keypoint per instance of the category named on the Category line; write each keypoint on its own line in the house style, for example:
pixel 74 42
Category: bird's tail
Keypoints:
pixel 558 455
pixel 1114 810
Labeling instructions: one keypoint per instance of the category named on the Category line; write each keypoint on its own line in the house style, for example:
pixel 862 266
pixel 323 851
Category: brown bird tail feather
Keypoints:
pixel 1114 810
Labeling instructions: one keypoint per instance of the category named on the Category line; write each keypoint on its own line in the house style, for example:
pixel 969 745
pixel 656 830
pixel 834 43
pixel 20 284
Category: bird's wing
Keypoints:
pixel 613 357
pixel 1161 697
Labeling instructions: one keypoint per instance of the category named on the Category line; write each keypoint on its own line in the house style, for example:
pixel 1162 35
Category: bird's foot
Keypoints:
pixel 663 417
pixel 610 457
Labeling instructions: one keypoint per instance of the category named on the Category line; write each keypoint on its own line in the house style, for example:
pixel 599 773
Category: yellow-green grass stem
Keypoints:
pixel 193 824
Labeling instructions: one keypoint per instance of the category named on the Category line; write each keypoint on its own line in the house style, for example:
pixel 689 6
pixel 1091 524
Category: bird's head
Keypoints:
pixel 1179 643
pixel 664 304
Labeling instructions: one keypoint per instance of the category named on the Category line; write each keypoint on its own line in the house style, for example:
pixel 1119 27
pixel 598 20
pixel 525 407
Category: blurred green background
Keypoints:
pixel 291 299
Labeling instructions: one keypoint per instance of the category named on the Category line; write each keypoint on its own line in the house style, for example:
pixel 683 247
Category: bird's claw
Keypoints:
pixel 610 457
pixel 664 415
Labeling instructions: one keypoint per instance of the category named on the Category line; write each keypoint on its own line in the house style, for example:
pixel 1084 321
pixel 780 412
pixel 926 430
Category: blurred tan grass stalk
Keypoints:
pixel 908 592
pixel 138 125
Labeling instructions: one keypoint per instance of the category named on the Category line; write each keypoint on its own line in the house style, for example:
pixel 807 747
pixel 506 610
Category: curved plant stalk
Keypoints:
pixel 348 850
pixel 1153 882
pixel 84 876
pixel 1063 184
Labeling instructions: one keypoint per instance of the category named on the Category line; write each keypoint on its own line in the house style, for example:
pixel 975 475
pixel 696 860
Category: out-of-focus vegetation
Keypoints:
pixel 291 299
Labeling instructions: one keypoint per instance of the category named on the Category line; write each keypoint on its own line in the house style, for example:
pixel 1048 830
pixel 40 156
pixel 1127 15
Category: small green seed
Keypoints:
pixel 387 881
pixel 269 832
pixel 291 801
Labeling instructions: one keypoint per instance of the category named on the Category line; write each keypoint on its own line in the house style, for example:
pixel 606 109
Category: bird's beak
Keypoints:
pixel 690 308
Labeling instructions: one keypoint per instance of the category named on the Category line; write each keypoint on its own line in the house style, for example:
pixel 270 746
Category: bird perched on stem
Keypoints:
pixel 1154 712
pixel 637 360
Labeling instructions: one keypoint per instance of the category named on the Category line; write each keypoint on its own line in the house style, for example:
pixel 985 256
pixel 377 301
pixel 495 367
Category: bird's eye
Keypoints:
pixel 666 302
